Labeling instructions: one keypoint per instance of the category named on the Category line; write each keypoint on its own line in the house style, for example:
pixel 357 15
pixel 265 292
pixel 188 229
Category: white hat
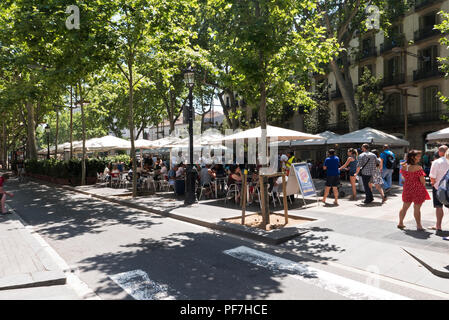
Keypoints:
pixel 284 157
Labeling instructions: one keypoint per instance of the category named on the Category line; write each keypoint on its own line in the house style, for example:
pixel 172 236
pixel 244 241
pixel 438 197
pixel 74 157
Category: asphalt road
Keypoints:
pixel 123 253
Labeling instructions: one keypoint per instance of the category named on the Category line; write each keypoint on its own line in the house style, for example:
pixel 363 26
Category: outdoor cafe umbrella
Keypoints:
pixel 325 136
pixel 441 135
pixel 272 132
pixel 371 136
pixel 105 143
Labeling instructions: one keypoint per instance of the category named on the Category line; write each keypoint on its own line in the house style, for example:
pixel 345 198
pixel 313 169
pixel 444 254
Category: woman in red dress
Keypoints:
pixel 414 190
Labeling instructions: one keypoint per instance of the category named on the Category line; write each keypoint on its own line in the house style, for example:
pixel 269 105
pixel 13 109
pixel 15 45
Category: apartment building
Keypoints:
pixel 407 62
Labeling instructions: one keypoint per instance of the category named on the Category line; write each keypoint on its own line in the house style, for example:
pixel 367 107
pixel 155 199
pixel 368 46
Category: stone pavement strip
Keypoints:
pixel 23 263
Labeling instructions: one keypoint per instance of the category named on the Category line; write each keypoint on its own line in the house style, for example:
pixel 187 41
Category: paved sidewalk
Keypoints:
pixel 27 269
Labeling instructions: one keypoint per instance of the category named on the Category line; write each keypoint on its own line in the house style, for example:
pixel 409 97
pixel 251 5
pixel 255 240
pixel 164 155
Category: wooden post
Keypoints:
pixel 284 193
pixel 244 197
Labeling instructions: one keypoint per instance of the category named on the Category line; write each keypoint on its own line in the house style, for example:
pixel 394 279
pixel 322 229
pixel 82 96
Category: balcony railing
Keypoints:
pixel 425 33
pixel 393 79
pixel 425 73
pixel 418 118
pixel 335 94
pixel 367 53
pixel 338 126
pixel 390 43
pixel 421 4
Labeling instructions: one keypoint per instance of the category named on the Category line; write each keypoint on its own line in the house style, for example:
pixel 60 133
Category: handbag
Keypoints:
pixel 360 172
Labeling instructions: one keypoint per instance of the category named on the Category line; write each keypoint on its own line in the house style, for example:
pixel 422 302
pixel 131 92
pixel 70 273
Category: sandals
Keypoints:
pixel 401 227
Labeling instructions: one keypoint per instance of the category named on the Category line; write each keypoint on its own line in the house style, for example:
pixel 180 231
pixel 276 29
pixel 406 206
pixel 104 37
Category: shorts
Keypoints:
pixel 332 181
pixel 436 202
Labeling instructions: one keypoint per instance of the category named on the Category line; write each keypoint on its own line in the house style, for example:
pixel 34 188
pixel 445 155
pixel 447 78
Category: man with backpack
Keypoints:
pixel 437 172
pixel 387 166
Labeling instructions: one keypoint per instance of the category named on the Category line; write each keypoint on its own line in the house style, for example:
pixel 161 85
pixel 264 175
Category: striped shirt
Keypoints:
pixel 370 160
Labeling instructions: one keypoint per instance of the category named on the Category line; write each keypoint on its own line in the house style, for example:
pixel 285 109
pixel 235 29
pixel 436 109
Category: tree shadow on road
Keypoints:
pixel 193 266
pixel 61 214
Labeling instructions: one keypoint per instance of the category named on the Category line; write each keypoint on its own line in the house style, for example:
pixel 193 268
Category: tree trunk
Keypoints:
pixel 57 131
pixel 131 127
pixel 4 146
pixel 83 120
pixel 32 149
pixel 347 91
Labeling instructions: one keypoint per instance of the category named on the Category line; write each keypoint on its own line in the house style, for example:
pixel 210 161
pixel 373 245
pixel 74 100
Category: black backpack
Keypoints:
pixel 389 164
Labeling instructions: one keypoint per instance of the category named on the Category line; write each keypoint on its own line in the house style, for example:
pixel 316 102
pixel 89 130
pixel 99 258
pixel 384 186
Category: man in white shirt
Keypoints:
pixel 437 172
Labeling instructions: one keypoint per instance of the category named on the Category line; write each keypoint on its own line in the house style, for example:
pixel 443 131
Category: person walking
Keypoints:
pixel 437 172
pixel 414 190
pixel 378 181
pixel 3 179
pixel 331 165
pixel 352 164
pixel 367 167
pixel 387 166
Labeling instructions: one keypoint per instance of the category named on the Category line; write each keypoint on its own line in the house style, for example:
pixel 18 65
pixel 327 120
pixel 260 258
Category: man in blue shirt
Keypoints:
pixel 332 165
pixel 387 166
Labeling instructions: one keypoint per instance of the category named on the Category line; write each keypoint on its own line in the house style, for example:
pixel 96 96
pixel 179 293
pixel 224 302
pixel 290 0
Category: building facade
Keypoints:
pixel 407 61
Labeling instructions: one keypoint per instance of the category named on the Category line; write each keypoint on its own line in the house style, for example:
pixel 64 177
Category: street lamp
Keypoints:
pixel 189 79
pixel 47 130
pixel 404 90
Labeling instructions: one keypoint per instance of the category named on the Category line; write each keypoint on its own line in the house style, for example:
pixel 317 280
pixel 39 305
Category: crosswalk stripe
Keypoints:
pixel 345 287
pixel 138 284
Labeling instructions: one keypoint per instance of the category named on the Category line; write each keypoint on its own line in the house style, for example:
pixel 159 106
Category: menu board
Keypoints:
pixel 300 180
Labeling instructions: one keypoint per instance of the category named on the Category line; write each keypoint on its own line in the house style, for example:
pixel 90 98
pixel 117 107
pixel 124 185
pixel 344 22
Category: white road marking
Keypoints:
pixel 345 287
pixel 138 284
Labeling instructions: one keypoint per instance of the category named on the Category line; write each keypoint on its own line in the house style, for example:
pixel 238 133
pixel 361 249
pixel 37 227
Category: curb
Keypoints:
pixel 64 276
pixel 434 271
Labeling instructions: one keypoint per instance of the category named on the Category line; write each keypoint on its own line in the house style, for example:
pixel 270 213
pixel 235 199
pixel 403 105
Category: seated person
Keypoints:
pixel 164 172
pixel 172 175
pixel 115 171
pixel 180 171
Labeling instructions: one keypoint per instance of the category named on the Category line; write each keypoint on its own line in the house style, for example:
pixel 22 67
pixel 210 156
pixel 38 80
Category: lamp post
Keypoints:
pixel 189 78
pixel 47 130
pixel 404 91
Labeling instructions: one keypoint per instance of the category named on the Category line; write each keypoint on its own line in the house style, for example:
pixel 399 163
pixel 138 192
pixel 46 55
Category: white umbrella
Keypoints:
pixel 272 132
pixel 369 135
pixel 210 137
pixel 439 135
pixel 105 143
pixel 326 135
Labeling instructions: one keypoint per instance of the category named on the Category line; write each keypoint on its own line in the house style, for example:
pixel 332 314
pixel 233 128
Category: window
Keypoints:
pixel 428 60
pixel 431 102
pixel 393 105
pixel 428 21
pixel 341 112
pixel 393 67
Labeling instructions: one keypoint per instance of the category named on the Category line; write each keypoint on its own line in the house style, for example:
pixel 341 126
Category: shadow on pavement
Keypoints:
pixel 181 263
pixel 61 214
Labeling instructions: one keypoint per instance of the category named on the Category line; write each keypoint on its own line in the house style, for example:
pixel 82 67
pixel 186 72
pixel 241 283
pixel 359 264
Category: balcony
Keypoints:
pixel 369 52
pixel 425 73
pixel 425 33
pixel 338 126
pixel 393 79
pixel 422 4
pixel 390 43
pixel 419 118
pixel 335 94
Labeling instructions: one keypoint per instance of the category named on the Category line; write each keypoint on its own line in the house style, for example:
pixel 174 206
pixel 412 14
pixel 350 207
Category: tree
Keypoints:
pixel 370 99
pixel 346 20
pixel 444 28
pixel 273 46
pixel 316 121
